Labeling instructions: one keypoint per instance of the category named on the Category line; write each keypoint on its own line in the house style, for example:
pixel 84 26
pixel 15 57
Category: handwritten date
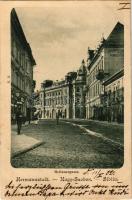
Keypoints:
pixel 99 174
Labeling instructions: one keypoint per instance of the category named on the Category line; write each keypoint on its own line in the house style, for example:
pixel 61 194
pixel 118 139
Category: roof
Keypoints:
pixel 116 37
pixel 114 40
pixel 15 24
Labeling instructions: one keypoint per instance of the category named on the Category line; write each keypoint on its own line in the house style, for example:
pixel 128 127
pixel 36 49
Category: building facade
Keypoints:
pixel 95 90
pixel 113 101
pixel 95 62
pixel 55 98
pixel 102 63
pixel 78 93
pixel 22 63
pixel 65 98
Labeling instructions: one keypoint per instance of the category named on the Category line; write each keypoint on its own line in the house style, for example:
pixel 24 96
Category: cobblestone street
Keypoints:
pixel 67 146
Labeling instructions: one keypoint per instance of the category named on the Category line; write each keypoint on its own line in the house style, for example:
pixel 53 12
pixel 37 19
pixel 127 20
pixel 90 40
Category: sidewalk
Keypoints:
pixel 108 123
pixel 112 131
pixel 97 121
pixel 22 143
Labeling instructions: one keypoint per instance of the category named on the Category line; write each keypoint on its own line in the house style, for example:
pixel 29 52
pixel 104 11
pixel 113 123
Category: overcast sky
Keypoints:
pixel 59 36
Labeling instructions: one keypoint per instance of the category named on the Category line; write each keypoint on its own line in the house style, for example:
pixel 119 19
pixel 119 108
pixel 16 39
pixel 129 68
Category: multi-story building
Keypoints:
pixel 22 63
pixel 113 101
pixel 55 97
pixel 84 94
pixel 36 100
pixel 101 64
pixel 66 97
pixel 78 93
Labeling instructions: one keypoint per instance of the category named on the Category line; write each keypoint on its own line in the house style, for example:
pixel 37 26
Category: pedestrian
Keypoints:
pixel 29 120
pixel 36 115
pixel 19 119
pixel 28 115
pixel 57 118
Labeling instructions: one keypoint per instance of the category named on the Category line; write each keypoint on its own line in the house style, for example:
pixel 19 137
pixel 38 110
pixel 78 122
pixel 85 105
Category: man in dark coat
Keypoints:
pixel 19 118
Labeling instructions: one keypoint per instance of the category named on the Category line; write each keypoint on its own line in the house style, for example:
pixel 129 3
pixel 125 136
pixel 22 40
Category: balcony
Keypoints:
pixel 101 75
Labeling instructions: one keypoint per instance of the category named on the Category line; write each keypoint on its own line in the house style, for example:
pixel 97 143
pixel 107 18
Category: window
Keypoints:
pixel 78 89
pixel 93 75
pixel 96 90
pixel 102 63
pixel 28 66
pixel 65 102
pixel 23 85
pixel 92 92
pixel 58 100
pixel 118 85
pixel 77 100
pixel 96 70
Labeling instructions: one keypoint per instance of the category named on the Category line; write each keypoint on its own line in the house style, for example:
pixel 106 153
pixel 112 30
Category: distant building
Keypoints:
pixel 66 97
pixel 95 91
pixel 55 98
pixel 22 63
pixel 36 99
pixel 102 63
pixel 78 107
pixel 36 105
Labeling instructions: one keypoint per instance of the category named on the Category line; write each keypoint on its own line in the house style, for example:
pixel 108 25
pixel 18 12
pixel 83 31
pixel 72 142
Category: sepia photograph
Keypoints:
pixel 65 100
pixel 67 88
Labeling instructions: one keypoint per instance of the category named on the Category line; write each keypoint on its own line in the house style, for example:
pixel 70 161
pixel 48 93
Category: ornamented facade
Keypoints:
pixel 22 63
pixel 103 63
pixel 113 101
pixel 66 97
pixel 86 93
pixel 55 98
pixel 78 104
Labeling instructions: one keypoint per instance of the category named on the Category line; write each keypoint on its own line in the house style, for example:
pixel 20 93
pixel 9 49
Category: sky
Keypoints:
pixel 59 35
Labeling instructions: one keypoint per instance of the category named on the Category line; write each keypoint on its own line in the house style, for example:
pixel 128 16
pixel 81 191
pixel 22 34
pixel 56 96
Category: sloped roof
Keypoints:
pixel 116 37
